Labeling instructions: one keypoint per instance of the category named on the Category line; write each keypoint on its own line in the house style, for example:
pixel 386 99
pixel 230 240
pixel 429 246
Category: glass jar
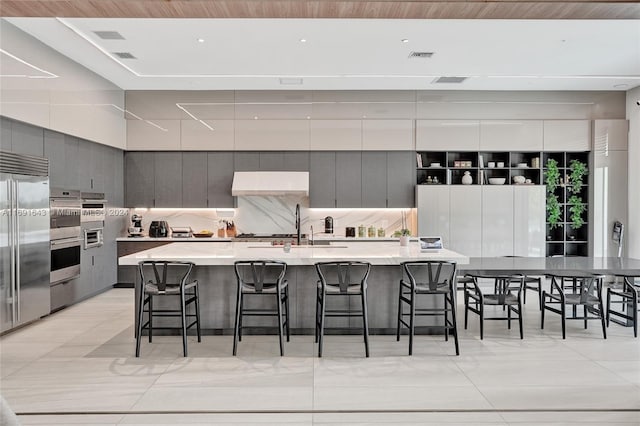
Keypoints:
pixel 372 232
pixel 381 232
pixel 362 230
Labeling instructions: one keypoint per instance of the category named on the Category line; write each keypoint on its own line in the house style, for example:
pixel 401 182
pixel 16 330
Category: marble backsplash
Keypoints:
pixel 276 215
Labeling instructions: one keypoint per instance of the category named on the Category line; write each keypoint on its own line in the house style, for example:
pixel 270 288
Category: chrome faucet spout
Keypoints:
pixel 298 223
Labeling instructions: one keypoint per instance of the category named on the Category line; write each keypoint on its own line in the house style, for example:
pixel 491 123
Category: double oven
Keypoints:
pixel 94 211
pixel 65 234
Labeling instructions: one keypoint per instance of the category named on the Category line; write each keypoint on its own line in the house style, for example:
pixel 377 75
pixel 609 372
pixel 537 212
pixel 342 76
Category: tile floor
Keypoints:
pixel 77 367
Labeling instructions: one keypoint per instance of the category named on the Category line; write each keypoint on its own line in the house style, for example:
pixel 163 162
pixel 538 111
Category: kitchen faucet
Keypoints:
pixel 298 222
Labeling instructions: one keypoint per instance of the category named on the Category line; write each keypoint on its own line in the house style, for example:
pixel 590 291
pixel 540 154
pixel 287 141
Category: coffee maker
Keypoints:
pixel 328 225
pixel 135 230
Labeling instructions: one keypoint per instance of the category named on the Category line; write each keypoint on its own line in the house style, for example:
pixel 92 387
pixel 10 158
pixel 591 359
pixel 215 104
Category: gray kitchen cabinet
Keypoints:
pixel 292 161
pixel 99 168
pixel 117 198
pixel 27 139
pixel 140 179
pixel 54 150
pixel 271 161
pixel 246 161
pixel 374 179
pixel 296 161
pixel 109 177
pixel 401 172
pixel 322 179
pixel 71 158
pixel 349 179
pixel 85 166
pixel 5 134
pixel 219 179
pixel 168 179
pixel 194 179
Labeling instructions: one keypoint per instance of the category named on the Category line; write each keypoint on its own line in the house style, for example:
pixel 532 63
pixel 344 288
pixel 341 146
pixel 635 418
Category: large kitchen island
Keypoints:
pixel 214 272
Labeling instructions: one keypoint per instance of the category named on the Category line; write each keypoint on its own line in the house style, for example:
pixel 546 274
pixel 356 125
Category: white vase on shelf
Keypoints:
pixel 467 179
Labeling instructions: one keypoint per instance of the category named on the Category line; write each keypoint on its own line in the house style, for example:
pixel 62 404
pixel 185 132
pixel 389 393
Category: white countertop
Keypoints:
pixel 377 253
pixel 175 240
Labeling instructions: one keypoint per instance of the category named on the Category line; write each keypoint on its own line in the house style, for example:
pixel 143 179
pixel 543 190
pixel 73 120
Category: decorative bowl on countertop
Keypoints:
pixel 203 234
pixel 497 181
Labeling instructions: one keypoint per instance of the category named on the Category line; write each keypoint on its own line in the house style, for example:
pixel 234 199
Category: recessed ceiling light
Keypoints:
pixel 308 117
pixel 405 40
pixel 255 117
pixel 303 40
pixel 200 40
pixel 364 116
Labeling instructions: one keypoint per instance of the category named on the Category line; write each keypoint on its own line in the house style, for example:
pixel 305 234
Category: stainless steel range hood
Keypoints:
pixel 270 183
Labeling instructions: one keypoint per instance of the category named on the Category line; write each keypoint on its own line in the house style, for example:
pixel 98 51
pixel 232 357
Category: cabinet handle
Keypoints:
pixel 92 261
pixel 91 183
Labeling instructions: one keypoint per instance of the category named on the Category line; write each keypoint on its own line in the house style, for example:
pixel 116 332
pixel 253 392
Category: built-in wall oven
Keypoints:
pixel 93 238
pixel 66 242
pixel 94 207
pixel 94 211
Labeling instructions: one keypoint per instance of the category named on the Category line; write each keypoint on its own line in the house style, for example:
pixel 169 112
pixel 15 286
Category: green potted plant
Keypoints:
pixel 404 233
pixel 577 171
pixel 552 181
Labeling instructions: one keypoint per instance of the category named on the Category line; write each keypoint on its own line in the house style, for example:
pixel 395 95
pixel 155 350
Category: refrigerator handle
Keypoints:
pixel 17 248
pixel 12 245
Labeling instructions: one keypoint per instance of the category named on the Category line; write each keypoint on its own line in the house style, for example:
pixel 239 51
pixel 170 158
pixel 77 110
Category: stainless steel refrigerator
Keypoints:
pixel 24 239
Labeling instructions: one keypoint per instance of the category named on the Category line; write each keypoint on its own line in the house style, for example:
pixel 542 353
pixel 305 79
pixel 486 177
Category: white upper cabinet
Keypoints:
pixel 567 135
pixel 153 135
pixel 387 135
pixel 447 135
pixel 213 135
pixel 272 135
pixel 336 135
pixel 511 135
pixel 610 135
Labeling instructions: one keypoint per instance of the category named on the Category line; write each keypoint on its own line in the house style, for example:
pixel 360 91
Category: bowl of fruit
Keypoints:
pixel 205 233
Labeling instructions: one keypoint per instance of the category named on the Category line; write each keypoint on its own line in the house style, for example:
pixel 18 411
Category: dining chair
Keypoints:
pixel 628 294
pixel 574 289
pixel 507 293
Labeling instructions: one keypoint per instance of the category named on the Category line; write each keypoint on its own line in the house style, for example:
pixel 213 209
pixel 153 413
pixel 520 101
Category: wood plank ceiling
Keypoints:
pixel 371 9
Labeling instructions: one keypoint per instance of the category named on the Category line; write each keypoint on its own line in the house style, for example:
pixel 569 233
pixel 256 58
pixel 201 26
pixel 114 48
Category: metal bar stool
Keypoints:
pixel 431 278
pixel 166 278
pixel 504 286
pixel 575 289
pixel 262 278
pixel 629 294
pixel 347 278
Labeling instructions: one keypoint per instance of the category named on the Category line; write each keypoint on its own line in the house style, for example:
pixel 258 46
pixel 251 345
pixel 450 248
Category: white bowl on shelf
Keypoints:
pixel 523 165
pixel 435 165
pixel 497 181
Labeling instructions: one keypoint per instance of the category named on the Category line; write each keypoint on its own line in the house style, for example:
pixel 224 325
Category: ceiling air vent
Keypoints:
pixel 449 80
pixel 109 35
pixel 420 54
pixel 124 55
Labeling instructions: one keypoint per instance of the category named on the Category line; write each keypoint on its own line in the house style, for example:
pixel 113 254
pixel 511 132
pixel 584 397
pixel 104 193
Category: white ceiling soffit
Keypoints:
pixel 362 54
